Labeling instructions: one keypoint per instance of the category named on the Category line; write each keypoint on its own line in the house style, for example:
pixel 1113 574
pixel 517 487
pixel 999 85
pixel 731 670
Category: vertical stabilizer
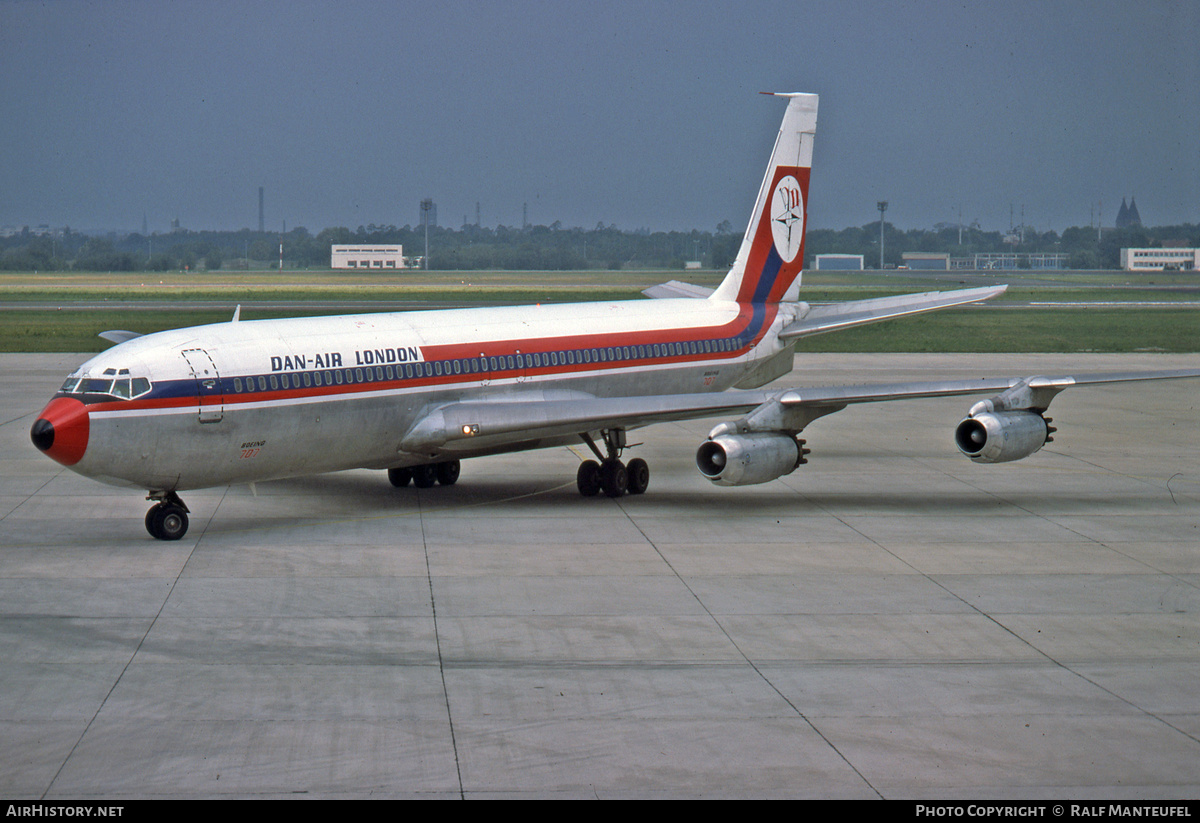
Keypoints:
pixel 772 252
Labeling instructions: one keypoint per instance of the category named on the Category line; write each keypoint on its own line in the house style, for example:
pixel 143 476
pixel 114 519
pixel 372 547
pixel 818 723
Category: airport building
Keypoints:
pixel 1160 259
pixel 926 261
pixel 1010 261
pixel 838 262
pixel 367 257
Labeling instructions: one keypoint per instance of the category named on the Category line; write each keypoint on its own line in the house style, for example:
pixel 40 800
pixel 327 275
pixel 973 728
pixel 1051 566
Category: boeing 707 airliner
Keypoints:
pixel 414 393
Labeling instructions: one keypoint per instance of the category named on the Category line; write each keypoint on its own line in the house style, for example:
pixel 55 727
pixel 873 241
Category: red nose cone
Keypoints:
pixel 62 430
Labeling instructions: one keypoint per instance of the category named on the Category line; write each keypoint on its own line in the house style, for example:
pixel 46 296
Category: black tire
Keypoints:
pixel 639 475
pixel 400 477
pixel 614 478
pixel 447 473
pixel 588 478
pixel 425 476
pixel 151 523
pixel 170 521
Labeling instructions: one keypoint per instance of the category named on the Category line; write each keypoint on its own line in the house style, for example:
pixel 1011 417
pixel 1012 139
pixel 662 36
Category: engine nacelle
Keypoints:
pixel 746 459
pixel 998 437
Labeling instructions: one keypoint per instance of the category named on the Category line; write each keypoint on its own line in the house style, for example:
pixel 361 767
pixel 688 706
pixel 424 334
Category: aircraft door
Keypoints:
pixel 210 398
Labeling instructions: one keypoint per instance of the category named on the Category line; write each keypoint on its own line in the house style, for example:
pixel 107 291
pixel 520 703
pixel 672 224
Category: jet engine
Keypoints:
pixel 1001 436
pixel 746 459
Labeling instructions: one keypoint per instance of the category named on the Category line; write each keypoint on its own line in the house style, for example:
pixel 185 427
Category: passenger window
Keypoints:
pixel 307 380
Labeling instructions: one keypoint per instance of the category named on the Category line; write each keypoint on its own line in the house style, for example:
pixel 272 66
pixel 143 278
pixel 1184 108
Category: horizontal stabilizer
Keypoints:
pixel 836 316
pixel 676 288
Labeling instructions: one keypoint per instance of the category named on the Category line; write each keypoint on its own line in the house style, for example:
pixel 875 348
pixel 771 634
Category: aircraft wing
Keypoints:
pixel 836 316
pixel 474 424
pixel 469 425
pixel 118 335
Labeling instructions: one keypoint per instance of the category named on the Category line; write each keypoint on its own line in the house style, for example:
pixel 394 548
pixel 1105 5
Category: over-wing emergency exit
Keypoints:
pixel 415 393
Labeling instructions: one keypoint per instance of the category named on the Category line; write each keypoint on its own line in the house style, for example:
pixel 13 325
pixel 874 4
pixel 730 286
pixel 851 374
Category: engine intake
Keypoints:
pixel 1002 436
pixel 747 459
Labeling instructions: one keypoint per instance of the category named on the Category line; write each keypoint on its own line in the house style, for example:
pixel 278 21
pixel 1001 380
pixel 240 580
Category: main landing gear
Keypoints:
pixel 610 475
pixel 168 518
pixel 425 476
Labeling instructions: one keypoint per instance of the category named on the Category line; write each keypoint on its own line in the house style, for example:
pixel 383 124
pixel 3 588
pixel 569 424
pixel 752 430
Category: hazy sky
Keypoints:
pixel 642 114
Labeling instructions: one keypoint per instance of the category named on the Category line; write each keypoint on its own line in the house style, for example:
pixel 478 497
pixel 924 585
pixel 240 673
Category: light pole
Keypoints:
pixel 882 206
pixel 426 206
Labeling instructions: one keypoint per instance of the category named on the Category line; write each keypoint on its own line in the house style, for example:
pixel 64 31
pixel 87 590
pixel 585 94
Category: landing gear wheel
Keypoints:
pixel 614 477
pixel 150 515
pixel 447 473
pixel 425 476
pixel 167 521
pixel 400 477
pixel 588 478
pixel 639 475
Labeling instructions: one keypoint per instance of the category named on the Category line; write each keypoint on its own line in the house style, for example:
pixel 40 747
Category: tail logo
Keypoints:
pixel 787 218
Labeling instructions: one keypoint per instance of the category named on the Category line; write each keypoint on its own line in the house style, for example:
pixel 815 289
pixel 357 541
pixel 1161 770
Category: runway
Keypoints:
pixel 890 621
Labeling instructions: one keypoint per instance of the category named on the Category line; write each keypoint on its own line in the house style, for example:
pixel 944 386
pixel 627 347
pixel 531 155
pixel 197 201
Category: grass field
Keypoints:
pixel 66 311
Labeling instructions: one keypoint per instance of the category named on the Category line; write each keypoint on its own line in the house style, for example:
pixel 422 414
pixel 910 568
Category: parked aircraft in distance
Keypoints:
pixel 416 392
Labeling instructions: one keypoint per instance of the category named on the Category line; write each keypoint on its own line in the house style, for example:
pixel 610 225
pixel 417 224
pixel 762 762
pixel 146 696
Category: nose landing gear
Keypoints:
pixel 168 518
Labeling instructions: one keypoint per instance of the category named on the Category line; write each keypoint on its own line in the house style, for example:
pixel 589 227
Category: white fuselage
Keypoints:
pixel 254 400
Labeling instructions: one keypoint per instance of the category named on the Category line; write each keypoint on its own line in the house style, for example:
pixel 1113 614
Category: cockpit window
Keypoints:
pixel 92 385
pixel 122 387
